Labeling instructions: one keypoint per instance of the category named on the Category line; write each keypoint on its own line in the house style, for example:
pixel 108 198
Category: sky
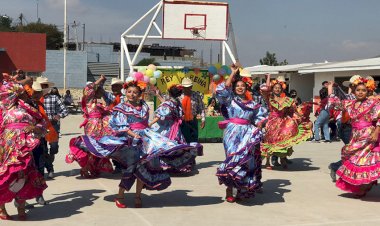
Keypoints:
pixel 300 31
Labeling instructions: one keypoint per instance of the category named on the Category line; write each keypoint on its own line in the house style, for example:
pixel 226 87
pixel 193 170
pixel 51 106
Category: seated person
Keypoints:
pixel 67 98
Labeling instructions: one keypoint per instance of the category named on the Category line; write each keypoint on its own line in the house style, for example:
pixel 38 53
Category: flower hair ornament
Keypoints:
pixel 142 85
pixel 369 83
pixel 248 81
pixel 275 81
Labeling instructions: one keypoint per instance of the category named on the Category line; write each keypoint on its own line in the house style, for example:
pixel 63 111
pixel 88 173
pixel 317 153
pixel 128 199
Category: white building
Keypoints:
pixel 307 78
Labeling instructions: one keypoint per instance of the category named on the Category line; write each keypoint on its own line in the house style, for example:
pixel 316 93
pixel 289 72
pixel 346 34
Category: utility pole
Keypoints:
pixel 84 35
pixel 64 46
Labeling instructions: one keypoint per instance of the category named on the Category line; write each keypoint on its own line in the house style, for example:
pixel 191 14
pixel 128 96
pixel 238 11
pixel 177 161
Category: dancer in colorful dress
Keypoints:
pixel 96 125
pixel 138 149
pixel 361 156
pixel 242 136
pixel 22 127
pixel 168 117
pixel 284 128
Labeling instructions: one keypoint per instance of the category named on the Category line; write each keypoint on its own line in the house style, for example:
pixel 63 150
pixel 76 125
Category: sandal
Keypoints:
pixel 138 203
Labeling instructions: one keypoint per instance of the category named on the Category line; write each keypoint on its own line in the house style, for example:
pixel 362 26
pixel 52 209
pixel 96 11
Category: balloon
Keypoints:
pixel 212 70
pixel 226 77
pixel 227 69
pixel 149 73
pixel 142 69
pixel 129 79
pixel 146 79
pixel 186 70
pixel 152 67
pixel 218 66
pixel 157 74
pixel 216 77
pixel 152 81
pixel 139 76
pixel 132 74
pixel 221 72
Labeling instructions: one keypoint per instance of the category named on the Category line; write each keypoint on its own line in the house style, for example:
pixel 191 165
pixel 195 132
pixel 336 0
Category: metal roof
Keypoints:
pixel 306 68
pixel 353 65
pixel 264 69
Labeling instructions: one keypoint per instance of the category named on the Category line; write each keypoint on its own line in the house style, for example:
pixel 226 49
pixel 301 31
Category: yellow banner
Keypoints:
pixel 201 80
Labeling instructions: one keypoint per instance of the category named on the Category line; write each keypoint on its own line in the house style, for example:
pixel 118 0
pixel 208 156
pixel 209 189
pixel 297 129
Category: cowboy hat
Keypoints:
pixel 116 81
pixel 44 81
pixel 245 73
pixel 186 82
pixel 38 88
pixel 352 80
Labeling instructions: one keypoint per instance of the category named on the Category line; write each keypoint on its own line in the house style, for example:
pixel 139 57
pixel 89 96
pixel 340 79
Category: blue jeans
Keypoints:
pixel 323 122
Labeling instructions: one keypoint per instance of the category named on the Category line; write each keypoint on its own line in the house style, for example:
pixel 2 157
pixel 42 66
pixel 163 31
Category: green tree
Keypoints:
pixel 271 60
pixel 54 37
pixel 147 61
pixel 5 23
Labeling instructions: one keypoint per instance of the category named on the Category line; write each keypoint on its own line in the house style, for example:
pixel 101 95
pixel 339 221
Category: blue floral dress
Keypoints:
pixel 242 167
pixel 170 115
pixel 140 159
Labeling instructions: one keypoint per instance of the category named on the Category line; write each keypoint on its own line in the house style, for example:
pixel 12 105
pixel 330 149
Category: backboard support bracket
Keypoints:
pixel 155 11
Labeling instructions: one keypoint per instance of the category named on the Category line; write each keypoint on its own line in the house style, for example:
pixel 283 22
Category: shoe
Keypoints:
pixel 119 204
pixel 283 163
pixel 327 141
pixel 332 173
pixel 4 215
pixel 229 195
pixel 40 200
pixel 138 203
pixel 315 141
pixel 21 213
pixel 51 175
pixel 116 171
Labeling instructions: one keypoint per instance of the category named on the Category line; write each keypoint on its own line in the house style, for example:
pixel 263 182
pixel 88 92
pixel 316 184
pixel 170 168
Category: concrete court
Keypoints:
pixel 303 195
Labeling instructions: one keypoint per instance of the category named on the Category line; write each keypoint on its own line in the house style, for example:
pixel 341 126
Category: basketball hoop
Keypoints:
pixel 198 32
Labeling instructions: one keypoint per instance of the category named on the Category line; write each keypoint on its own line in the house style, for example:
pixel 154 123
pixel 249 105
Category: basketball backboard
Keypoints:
pixel 192 20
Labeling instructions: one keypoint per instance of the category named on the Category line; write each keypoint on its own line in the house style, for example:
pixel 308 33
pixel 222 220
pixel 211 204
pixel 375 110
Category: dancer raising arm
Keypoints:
pixel 361 156
pixel 242 136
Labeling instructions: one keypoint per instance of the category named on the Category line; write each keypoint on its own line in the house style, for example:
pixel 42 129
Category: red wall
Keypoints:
pixel 26 51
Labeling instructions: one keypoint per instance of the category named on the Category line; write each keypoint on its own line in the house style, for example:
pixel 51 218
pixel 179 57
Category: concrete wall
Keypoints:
pixel 303 84
pixel 76 69
pixel 330 76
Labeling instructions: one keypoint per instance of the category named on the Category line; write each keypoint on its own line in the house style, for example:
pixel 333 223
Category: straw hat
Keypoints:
pixel 44 81
pixel 245 73
pixel 186 82
pixel 281 78
pixel 352 79
pixel 38 88
pixel 116 81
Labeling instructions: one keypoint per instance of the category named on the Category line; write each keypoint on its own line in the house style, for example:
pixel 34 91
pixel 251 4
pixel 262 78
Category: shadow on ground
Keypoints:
pixel 273 192
pixel 175 198
pixel 298 164
pixel 64 205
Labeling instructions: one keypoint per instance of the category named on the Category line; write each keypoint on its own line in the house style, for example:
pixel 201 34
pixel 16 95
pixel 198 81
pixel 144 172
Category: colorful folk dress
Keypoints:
pixel 284 129
pixel 361 156
pixel 19 177
pixel 96 125
pixel 242 167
